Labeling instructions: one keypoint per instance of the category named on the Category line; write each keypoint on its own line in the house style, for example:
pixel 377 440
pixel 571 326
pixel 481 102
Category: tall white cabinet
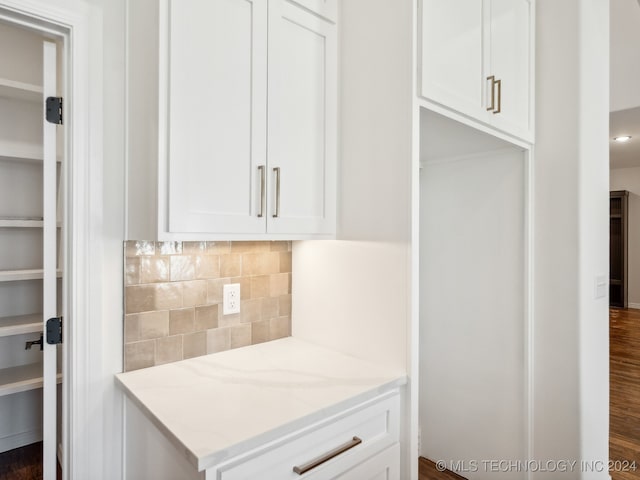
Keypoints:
pixel 30 280
pixel 241 140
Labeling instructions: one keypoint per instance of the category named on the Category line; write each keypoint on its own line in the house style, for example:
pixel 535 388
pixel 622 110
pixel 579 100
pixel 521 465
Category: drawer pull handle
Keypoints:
pixel 302 469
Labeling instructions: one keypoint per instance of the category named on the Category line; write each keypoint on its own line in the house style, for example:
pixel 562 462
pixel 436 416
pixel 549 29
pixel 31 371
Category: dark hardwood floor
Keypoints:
pixel 23 463
pixel 624 388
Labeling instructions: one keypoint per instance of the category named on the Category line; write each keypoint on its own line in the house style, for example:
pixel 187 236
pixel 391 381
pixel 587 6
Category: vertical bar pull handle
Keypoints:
pixel 262 190
pixel 276 170
pixel 499 84
pixel 492 79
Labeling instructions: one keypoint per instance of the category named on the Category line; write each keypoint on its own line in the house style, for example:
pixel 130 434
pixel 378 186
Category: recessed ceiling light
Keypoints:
pixel 622 138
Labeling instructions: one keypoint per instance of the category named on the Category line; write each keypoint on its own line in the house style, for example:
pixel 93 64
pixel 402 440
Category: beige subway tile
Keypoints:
pixel 134 248
pixel 279 246
pixel 230 265
pixel 251 310
pixel 169 248
pixel 284 305
pixel 168 349
pixel 279 327
pixel 131 328
pixel 139 355
pixel 181 321
pixel 194 248
pixel 194 345
pixel 228 320
pixel 154 269
pixel 259 286
pixel 245 286
pixel 207 266
pixel 260 263
pixel 218 340
pixel 152 297
pixel 194 293
pixel 218 248
pixel 252 247
pixel 206 317
pixel 153 324
pixel 279 284
pixel 241 335
pixel 214 290
pixel 260 332
pixel 183 267
pixel 285 262
pixel 132 271
pixel 270 307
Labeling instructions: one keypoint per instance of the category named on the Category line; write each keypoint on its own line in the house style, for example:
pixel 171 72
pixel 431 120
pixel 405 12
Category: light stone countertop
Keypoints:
pixel 221 405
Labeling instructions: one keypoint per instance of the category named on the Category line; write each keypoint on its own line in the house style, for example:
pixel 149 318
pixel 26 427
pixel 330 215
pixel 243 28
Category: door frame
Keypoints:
pixel 79 25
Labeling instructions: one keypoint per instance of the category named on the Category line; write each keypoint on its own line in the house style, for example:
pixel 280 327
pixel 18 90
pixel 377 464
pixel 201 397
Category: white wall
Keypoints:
pixel 625 61
pixel 629 179
pixel 570 417
pixel 472 318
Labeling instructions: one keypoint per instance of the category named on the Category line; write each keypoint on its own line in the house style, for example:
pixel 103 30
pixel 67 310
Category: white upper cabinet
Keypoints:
pixel 216 126
pixel 302 119
pixel 244 96
pixel 477 60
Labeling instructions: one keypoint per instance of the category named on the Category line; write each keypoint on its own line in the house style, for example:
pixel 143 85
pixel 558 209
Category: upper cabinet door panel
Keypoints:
pixel 508 32
pixel 324 8
pixel 216 127
pixel 302 121
pixel 452 53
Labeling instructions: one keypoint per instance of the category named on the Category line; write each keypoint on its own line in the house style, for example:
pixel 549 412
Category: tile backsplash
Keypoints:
pixel 173 298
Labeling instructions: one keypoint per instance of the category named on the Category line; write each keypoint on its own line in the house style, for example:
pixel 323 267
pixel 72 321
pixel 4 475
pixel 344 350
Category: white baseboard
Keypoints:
pixel 18 440
pixel 633 305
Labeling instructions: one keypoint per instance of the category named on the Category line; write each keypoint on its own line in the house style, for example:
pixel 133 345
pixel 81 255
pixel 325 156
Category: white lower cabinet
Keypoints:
pixel 359 443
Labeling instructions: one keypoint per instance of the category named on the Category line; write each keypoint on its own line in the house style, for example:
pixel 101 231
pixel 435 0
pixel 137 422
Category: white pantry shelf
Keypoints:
pixel 28 274
pixel 20 324
pixel 21 222
pixel 20 90
pixel 22 378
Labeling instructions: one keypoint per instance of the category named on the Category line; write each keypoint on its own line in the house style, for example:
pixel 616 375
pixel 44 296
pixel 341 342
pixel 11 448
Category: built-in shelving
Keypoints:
pixel 20 90
pixel 20 324
pixel 22 378
pixel 27 274
pixel 21 152
pixel 24 222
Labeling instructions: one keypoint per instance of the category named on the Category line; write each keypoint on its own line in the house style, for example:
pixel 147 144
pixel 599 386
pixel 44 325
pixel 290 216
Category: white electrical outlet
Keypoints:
pixel 231 298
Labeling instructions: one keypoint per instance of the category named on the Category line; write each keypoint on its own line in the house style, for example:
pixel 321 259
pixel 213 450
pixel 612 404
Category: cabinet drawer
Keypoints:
pixel 375 425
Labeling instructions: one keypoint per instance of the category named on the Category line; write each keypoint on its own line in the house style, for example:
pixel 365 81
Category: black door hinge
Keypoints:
pixel 54 110
pixel 54 330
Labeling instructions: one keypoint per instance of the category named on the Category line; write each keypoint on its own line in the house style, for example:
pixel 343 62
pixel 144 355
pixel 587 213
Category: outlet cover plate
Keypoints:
pixel 231 298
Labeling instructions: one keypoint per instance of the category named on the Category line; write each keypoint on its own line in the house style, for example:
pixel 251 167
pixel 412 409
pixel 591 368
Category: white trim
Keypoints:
pixel 529 298
pixel 79 25
pixel 633 305
pixel 17 440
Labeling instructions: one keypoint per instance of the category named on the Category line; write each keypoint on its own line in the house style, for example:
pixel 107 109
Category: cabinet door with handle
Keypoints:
pixel 301 151
pixel 216 80
pixel 507 64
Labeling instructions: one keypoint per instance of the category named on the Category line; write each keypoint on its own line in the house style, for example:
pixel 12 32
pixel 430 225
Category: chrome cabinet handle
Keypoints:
pixel 302 469
pixel 262 190
pixel 492 79
pixel 499 84
pixel 276 170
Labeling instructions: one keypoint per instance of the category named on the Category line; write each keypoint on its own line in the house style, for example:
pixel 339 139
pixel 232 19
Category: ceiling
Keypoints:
pixel 625 83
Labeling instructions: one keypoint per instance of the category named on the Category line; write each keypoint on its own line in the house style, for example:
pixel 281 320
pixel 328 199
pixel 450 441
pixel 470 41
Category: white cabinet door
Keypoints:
pixel 507 33
pixel 301 122
pixel 216 111
pixel 383 466
pixel 452 54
